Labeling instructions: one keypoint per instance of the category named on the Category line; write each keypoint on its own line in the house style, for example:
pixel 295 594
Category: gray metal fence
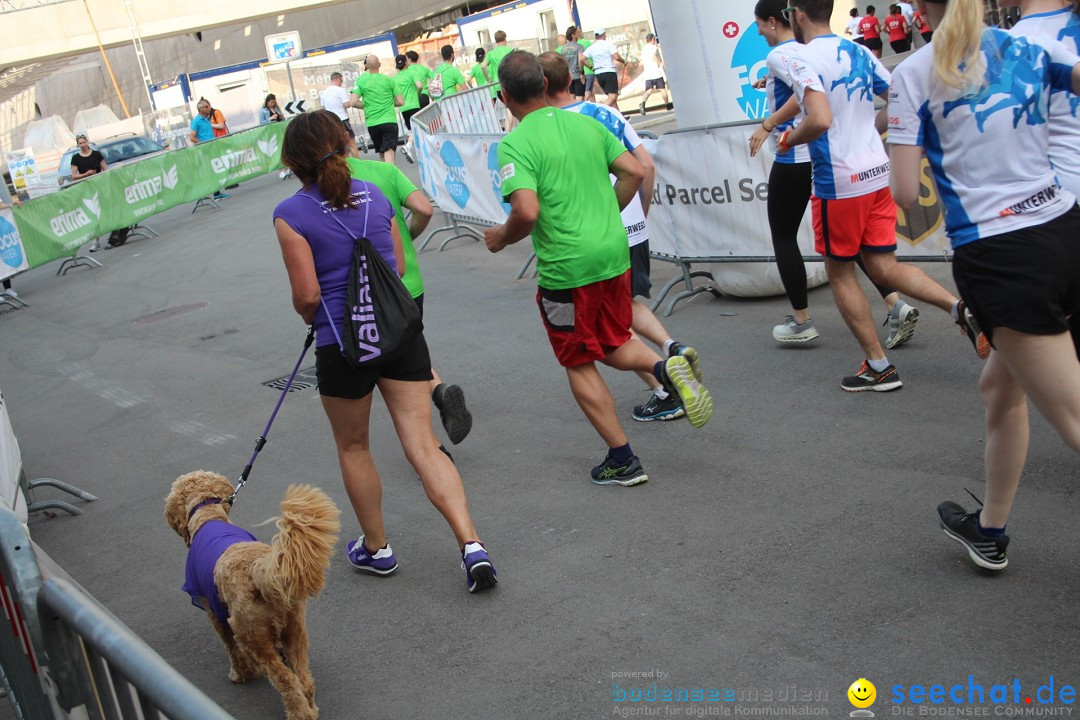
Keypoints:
pixel 64 656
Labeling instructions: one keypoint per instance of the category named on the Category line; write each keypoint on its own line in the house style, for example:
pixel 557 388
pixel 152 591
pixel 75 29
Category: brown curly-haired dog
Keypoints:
pixel 261 590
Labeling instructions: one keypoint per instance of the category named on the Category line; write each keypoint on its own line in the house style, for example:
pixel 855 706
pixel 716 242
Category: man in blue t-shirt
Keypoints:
pixel 202 130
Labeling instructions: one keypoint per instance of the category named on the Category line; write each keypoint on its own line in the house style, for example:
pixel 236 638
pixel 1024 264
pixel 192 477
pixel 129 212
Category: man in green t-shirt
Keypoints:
pixel 406 85
pixel 479 73
pixel 374 92
pixel 582 255
pixel 399 190
pixel 450 81
pixel 495 56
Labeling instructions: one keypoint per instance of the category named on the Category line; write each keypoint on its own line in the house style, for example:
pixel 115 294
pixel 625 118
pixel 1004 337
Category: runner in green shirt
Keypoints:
pixel 583 261
pixel 495 56
pixel 405 85
pixel 375 94
pixel 451 78
pixel 422 73
pixel 399 190
pixel 478 76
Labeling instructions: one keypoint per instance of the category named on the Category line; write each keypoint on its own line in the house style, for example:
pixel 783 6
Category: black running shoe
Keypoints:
pixel 986 551
pixel 970 326
pixel 626 474
pixel 456 418
pixel 656 409
pixel 869 379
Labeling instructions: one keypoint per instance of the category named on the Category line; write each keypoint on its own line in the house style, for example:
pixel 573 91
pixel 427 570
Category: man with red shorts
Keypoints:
pixel 583 258
pixel 835 82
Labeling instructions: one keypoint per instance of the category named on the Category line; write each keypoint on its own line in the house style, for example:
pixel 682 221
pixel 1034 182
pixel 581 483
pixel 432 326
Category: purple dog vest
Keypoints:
pixel 211 541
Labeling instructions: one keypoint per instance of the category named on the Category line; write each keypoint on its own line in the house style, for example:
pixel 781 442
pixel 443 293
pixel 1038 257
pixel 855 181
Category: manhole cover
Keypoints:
pixel 170 312
pixel 304 379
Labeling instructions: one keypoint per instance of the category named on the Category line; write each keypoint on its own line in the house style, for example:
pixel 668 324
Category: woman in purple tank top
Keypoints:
pixel 316 228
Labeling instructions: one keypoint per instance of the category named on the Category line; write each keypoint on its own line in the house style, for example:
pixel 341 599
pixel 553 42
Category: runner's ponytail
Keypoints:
pixel 958 61
pixel 315 148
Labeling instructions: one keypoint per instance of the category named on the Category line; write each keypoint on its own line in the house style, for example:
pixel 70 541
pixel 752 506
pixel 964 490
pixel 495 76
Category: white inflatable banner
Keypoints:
pixel 12 254
pixel 709 201
pixel 461 173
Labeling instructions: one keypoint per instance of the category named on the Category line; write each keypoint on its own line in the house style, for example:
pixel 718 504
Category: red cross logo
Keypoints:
pixel 731 30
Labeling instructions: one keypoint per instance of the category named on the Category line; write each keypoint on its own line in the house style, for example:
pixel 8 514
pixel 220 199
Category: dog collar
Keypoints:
pixel 204 503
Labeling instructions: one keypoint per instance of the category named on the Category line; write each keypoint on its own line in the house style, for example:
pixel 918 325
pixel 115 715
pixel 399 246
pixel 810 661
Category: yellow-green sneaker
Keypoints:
pixel 679 378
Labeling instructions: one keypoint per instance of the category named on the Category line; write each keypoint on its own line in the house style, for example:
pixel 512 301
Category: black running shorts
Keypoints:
pixel 1026 280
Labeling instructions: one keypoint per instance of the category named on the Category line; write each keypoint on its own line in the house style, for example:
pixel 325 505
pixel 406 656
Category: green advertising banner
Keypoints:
pixel 56 225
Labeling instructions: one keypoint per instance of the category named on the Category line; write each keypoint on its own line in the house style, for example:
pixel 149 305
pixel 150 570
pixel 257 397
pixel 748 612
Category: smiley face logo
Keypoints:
pixel 862 693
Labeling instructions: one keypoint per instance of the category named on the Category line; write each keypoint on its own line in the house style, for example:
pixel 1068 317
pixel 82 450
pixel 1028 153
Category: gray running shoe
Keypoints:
pixel 901 325
pixel 793 332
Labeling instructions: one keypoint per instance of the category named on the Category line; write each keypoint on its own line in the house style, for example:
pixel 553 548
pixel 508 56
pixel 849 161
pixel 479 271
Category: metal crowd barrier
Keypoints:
pixel 472 112
pixel 63 656
pixel 685 264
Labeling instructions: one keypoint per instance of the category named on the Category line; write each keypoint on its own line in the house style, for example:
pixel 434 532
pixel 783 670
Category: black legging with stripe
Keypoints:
pixel 789 192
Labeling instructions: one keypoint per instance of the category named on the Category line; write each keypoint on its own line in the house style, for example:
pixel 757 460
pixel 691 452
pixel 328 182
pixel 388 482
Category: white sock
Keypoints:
pixel 667 348
pixel 955 312
pixel 660 392
pixel 878 365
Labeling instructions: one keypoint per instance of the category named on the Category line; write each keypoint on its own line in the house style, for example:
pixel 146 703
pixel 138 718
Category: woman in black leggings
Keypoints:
pixel 789 191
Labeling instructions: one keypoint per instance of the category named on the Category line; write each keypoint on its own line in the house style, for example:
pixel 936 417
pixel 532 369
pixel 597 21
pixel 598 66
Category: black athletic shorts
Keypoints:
pixel 337 378
pixel 406 115
pixel 640 284
pixel 927 36
pixel 655 84
pixel 348 128
pixel 577 88
pixel 858 41
pixel 383 137
pixel 872 43
pixel 425 100
pixel 419 300
pixel 900 46
pixel 609 82
pixel 1026 280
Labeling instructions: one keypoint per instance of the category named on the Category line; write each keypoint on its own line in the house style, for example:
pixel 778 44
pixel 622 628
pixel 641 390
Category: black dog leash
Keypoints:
pixel 262 438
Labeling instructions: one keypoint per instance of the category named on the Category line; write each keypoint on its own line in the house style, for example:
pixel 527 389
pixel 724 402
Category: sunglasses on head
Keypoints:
pixel 788 12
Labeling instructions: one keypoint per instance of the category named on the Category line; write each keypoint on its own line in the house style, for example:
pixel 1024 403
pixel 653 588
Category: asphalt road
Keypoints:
pixel 783 551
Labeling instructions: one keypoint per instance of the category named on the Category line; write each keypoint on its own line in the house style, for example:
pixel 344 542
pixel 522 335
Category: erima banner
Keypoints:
pixel 12 255
pixel 461 173
pixel 55 226
pixel 709 201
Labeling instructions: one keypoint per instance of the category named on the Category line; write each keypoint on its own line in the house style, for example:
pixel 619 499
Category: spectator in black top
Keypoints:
pixel 86 162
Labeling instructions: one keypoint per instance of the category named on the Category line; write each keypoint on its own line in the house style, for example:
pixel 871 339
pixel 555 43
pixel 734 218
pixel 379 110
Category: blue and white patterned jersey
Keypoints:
pixel 849 159
pixel 1046 28
pixel 987 149
pixel 778 90
pixel 633 215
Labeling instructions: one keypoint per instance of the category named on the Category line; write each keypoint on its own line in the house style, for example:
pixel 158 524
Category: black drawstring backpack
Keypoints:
pixel 380 316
